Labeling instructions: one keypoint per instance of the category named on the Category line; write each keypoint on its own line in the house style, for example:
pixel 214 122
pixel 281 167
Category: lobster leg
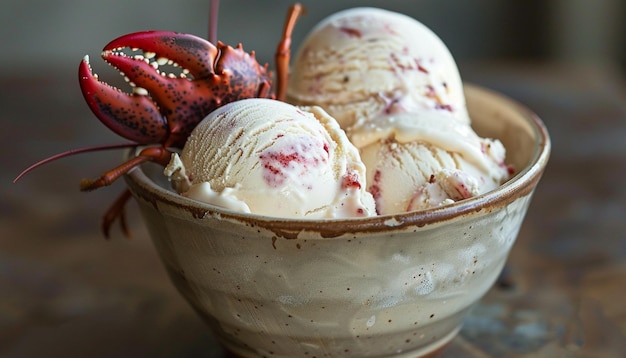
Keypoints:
pixel 283 52
pixel 155 154
pixel 117 210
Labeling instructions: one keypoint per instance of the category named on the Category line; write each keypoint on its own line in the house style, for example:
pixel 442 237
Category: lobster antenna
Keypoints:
pixel 283 52
pixel 73 152
pixel 213 12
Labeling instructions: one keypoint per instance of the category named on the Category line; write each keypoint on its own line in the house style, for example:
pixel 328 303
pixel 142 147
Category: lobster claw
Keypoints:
pixel 164 108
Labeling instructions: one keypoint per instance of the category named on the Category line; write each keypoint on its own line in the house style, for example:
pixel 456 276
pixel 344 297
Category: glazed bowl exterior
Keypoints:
pixel 387 286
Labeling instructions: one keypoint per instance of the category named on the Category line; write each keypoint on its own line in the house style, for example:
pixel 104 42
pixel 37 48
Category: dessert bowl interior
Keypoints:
pixel 395 285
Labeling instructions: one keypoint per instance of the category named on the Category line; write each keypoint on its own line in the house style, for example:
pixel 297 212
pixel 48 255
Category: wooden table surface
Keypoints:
pixel 65 291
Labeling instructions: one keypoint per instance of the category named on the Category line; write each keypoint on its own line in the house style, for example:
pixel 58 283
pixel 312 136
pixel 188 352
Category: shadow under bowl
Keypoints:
pixel 387 286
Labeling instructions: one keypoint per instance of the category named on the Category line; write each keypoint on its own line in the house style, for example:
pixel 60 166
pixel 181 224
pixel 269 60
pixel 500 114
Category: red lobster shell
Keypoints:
pixel 165 109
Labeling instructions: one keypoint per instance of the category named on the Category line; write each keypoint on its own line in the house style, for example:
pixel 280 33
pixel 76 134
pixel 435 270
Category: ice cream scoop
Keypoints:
pixel 268 157
pixel 396 90
pixel 415 163
pixel 363 62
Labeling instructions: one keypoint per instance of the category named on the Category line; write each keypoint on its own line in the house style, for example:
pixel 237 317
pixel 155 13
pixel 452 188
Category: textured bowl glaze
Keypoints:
pixel 388 286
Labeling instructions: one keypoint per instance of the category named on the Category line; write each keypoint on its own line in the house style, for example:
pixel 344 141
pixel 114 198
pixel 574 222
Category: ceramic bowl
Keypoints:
pixel 387 286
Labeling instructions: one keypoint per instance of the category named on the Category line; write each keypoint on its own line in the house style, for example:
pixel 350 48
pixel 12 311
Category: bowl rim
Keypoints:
pixel 520 185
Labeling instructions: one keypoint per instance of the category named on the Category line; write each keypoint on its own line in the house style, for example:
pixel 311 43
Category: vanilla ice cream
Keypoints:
pixel 268 157
pixel 364 62
pixel 396 90
pixel 416 162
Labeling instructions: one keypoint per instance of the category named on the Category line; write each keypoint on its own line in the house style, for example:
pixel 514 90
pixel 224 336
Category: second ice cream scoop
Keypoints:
pixel 364 62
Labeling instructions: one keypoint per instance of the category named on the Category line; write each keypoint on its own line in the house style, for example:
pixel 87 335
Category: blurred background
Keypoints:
pixel 38 35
